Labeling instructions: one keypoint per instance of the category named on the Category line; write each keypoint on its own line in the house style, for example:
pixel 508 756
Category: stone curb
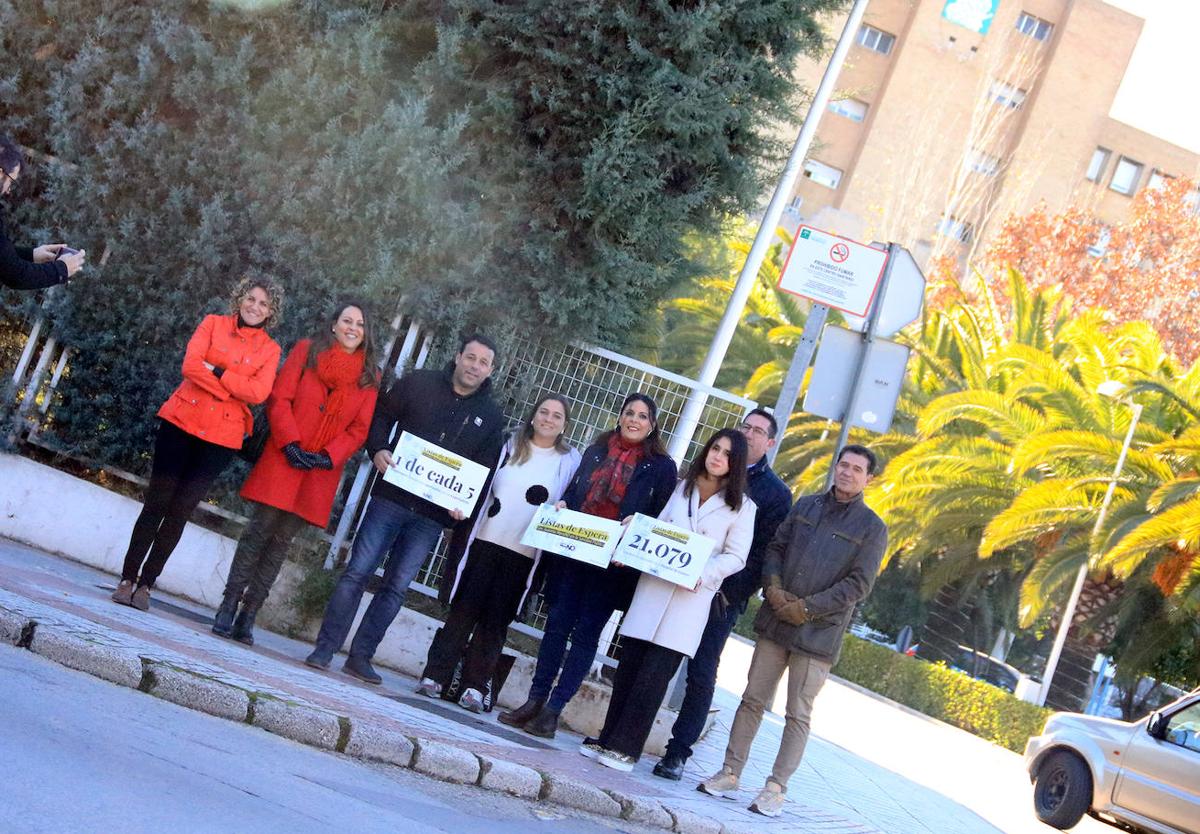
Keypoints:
pixel 328 731
pixel 445 762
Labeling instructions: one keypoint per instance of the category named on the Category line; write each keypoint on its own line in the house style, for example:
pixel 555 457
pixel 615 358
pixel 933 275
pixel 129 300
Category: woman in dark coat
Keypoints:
pixel 319 412
pixel 626 471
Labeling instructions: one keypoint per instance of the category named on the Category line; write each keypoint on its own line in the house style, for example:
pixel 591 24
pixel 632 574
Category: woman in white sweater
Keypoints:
pixel 493 576
pixel 665 621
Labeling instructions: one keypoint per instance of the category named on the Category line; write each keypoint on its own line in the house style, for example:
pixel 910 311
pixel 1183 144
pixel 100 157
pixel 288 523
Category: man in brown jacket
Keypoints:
pixel 821 563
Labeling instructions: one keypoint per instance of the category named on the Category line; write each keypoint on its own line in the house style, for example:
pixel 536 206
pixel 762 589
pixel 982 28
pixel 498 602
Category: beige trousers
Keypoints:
pixel 806 676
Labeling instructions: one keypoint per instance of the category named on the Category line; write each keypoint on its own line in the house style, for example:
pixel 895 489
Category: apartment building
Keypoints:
pixel 952 114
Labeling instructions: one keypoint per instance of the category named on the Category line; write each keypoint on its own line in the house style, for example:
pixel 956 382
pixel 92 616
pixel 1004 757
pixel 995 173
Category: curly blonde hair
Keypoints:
pixel 267 284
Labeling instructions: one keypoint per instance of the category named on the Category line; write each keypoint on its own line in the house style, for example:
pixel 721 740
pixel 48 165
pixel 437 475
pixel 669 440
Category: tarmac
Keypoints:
pixel 60 610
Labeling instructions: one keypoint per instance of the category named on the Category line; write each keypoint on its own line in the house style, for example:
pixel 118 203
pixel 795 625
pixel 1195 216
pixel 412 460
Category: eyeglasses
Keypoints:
pixel 8 176
pixel 747 428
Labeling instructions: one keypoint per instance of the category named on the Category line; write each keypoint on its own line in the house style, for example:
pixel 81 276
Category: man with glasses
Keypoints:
pixel 774 500
pixel 24 268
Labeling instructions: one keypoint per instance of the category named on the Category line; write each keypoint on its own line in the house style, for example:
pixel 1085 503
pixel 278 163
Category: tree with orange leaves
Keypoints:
pixel 1145 268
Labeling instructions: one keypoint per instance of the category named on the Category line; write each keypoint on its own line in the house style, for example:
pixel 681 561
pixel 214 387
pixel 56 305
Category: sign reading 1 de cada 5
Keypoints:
pixel 435 474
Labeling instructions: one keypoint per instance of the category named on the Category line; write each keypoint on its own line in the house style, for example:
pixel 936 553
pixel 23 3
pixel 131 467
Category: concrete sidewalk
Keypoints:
pixel 61 610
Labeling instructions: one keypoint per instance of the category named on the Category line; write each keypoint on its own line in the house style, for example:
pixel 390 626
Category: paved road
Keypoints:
pixel 81 755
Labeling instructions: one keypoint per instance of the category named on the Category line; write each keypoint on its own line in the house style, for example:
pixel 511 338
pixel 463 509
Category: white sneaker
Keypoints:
pixel 769 801
pixel 472 701
pixel 429 688
pixel 721 784
pixel 591 748
pixel 615 760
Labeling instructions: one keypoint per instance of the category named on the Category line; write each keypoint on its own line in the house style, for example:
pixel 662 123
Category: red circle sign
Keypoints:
pixel 840 252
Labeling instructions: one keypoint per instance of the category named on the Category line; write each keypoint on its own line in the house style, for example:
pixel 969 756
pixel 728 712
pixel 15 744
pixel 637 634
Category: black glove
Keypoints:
pixel 319 460
pixel 297 458
pixel 217 372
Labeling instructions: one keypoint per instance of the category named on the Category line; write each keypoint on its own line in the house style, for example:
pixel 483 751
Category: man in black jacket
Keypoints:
pixel 773 499
pixel 452 409
pixel 822 562
pixel 24 268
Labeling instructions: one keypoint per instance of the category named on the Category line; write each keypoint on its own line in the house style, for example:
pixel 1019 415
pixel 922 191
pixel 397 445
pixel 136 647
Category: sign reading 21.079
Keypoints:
pixel 664 550
pixel 436 474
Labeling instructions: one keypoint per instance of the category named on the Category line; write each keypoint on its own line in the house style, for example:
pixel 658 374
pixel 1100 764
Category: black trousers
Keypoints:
pixel 489 591
pixel 260 554
pixel 641 682
pixel 184 468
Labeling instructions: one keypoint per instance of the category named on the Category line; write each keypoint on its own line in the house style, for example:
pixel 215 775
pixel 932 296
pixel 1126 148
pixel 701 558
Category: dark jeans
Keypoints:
pixel 701 684
pixel 387 526
pixel 184 468
pixel 260 554
pixel 582 598
pixel 643 675
pixel 484 603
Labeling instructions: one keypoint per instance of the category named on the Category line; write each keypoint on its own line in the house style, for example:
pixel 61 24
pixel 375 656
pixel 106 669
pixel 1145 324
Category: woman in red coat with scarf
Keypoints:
pixel 319 412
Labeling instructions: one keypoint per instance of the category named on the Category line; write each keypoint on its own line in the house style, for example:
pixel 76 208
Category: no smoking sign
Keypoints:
pixel 839 253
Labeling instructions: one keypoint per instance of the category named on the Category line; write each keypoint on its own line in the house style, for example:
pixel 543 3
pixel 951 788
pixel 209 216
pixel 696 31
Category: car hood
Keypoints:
pixel 1092 725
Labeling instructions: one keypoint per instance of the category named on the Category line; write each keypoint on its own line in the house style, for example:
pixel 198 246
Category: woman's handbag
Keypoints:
pixel 256 441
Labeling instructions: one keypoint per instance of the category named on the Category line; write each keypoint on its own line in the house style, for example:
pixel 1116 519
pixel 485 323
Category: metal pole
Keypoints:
pixel 801 359
pixel 689 418
pixel 868 346
pixel 1060 638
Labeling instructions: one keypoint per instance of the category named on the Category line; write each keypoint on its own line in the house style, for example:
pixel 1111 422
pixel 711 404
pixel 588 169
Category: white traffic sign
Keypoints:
pixel 833 270
pixel 832 381
pixel 903 296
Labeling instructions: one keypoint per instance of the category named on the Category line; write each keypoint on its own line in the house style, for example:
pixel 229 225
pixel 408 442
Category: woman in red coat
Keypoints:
pixel 230 364
pixel 319 413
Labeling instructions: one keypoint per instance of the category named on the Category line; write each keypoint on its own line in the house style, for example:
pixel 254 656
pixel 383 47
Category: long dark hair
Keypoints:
pixel 735 482
pixel 324 340
pixel 653 444
pixel 523 436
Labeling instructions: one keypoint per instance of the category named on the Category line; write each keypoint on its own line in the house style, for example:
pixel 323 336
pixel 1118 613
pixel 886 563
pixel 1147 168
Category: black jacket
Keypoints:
pixel 424 403
pixel 648 491
pixel 17 269
pixel 773 499
pixel 827 553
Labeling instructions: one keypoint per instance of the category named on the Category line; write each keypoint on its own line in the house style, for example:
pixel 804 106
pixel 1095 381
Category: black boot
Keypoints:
pixel 670 767
pixel 243 626
pixel 543 725
pixel 223 622
pixel 522 714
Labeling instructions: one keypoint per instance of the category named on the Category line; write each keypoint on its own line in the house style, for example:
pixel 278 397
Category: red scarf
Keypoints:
pixel 339 372
pixel 606 489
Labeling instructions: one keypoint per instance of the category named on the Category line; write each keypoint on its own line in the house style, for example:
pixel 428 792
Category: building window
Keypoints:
pixel 876 39
pixel 983 163
pixel 1035 27
pixel 1125 176
pixel 1007 95
pixel 1097 249
pixel 1157 179
pixel 951 226
pixel 822 174
pixel 1099 163
pixel 851 108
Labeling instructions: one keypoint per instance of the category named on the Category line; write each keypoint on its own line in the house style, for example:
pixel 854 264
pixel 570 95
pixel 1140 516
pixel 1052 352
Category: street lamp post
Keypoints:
pixel 1060 638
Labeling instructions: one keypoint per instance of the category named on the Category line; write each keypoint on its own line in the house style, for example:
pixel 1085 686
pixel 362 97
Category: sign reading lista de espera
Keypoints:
pixel 580 536
pixel 436 474
pixel 832 270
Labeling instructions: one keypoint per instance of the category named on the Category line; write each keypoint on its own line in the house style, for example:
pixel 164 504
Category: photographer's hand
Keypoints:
pixel 74 262
pixel 46 253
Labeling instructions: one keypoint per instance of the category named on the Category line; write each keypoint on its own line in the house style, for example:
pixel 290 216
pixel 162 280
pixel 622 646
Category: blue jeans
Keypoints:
pixel 582 599
pixel 410 537
pixel 701 684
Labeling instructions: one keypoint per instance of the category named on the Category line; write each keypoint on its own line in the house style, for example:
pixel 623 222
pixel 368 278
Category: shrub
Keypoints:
pixel 943 693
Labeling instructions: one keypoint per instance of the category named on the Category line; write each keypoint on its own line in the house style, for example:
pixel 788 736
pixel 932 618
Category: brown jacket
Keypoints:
pixel 828 554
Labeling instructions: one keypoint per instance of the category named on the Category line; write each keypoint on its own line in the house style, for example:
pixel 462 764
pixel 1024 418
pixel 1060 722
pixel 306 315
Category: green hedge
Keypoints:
pixel 943 693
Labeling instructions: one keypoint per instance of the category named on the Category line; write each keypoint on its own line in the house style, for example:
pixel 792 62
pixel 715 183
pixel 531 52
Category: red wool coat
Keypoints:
pixel 216 409
pixel 294 415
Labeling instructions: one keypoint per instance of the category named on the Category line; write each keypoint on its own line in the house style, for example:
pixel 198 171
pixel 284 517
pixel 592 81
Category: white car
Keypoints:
pixel 1144 775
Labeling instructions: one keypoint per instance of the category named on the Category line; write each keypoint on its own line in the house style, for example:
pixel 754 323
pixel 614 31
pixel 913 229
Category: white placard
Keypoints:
pixel 833 270
pixel 436 474
pixel 579 536
pixel 664 550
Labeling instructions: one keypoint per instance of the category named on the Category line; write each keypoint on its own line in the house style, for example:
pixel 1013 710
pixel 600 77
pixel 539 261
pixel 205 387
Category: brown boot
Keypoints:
pixel 141 598
pixel 522 714
pixel 124 593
